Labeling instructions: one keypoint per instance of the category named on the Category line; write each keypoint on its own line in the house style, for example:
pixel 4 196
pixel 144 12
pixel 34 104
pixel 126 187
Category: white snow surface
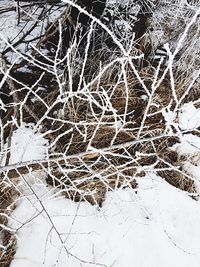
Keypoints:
pixel 189 118
pixel 27 145
pixel 157 226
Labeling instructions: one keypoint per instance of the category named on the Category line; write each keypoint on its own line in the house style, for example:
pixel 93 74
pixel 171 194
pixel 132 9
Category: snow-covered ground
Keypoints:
pixel 152 226
pixel 155 225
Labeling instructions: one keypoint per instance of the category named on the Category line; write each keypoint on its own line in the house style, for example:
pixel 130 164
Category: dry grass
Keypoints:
pixel 8 238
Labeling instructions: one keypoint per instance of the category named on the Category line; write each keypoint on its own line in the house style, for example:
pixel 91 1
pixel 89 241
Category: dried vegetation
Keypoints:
pixel 104 121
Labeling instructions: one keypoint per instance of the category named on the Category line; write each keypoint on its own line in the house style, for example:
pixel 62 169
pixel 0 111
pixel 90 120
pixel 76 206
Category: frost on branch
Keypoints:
pixel 90 88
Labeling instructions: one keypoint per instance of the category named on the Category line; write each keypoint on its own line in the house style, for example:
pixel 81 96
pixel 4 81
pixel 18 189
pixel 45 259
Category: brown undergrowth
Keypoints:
pixel 83 123
pixel 7 237
pixel 90 179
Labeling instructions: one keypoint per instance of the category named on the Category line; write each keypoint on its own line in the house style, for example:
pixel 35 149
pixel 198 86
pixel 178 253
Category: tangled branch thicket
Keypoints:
pixel 99 98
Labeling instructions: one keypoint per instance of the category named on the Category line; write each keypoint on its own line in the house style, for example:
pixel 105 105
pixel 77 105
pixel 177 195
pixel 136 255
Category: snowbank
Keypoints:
pixel 157 226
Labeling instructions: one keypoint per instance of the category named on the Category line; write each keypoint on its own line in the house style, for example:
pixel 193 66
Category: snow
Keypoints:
pixel 27 145
pixel 11 31
pixel 190 144
pixel 157 226
pixel 168 115
pixel 190 147
pixel 189 118
pixel 153 225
